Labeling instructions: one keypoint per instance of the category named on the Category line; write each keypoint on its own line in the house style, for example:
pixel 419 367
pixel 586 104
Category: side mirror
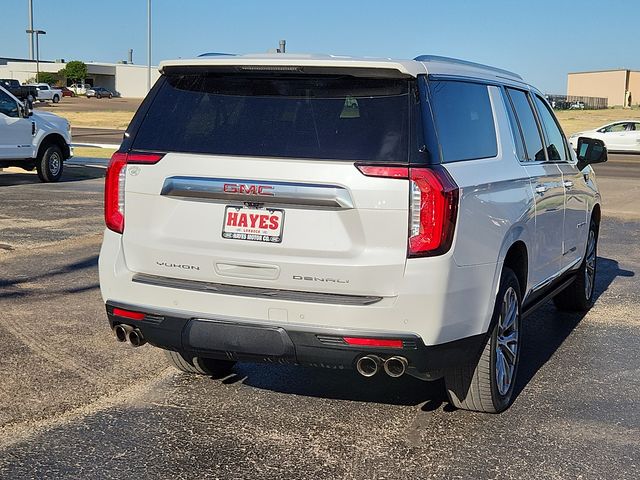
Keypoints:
pixel 26 109
pixel 590 151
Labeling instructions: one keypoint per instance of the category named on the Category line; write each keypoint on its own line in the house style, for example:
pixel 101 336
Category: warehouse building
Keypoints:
pixel 620 87
pixel 125 79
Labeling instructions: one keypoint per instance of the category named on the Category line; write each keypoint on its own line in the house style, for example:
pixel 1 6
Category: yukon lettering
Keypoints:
pixel 178 265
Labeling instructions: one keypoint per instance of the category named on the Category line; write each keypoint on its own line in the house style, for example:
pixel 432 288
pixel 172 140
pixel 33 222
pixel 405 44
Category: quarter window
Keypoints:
pixel 556 150
pixel 464 120
pixel 528 125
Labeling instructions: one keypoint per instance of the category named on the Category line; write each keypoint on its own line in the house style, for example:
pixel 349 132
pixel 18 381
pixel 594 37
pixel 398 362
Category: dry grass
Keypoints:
pixel 573 121
pixel 92 152
pixel 104 119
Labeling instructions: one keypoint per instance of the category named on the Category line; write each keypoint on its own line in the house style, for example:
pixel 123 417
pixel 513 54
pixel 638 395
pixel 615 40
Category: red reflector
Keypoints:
pixel 128 314
pixel 382 171
pixel 373 342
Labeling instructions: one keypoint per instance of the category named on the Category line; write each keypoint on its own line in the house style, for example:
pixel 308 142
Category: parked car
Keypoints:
pixel 22 92
pixel 577 106
pixel 66 92
pixel 99 92
pixel 29 140
pixel 47 92
pixel 396 216
pixel 622 136
pixel 79 88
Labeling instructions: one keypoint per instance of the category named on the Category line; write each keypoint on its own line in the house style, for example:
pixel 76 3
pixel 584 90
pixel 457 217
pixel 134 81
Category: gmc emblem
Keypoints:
pixel 241 188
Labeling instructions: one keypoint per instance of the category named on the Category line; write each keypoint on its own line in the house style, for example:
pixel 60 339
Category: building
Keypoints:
pixel 615 85
pixel 125 79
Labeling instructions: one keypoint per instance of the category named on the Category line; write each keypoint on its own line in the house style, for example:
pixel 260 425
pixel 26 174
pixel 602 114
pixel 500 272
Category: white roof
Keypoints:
pixel 422 65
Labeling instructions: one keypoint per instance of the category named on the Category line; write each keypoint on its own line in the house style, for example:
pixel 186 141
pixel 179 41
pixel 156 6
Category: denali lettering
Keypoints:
pixel 319 279
pixel 242 188
pixel 178 265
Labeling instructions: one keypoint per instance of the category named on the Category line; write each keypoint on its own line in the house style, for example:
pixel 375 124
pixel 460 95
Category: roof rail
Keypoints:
pixel 457 61
pixel 216 54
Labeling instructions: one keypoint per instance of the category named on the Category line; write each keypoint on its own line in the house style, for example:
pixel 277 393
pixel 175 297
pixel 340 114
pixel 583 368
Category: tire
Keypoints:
pixel 480 386
pixel 56 99
pixel 98 96
pixel 51 164
pixel 579 296
pixel 110 95
pixel 199 365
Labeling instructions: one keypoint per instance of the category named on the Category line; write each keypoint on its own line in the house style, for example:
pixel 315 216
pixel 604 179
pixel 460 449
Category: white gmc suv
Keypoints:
pixel 384 215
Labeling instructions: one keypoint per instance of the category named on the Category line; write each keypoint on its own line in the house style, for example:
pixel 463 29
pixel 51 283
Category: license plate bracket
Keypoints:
pixel 253 224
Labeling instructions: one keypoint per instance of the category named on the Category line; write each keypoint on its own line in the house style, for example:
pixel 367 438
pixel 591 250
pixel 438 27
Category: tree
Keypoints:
pixel 48 77
pixel 75 71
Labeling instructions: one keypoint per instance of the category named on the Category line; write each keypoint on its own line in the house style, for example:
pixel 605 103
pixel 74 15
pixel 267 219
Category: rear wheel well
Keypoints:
pixel 54 139
pixel 595 215
pixel 517 260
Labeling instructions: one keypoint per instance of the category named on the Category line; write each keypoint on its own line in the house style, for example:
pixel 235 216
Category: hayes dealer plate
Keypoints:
pixel 258 225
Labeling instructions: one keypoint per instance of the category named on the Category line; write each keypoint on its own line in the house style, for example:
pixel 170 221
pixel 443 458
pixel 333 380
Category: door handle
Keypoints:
pixel 567 184
pixel 541 189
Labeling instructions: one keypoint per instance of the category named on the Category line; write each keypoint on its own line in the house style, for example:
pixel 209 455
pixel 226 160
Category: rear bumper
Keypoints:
pixel 225 338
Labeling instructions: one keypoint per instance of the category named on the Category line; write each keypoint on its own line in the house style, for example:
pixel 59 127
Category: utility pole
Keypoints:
pixel 30 28
pixel 148 45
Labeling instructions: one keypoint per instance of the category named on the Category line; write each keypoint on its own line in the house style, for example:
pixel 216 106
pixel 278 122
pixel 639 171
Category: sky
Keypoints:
pixel 542 40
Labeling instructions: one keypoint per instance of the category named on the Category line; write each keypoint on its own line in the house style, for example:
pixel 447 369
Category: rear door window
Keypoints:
pixel 528 124
pixel 335 117
pixel 464 120
pixel 556 149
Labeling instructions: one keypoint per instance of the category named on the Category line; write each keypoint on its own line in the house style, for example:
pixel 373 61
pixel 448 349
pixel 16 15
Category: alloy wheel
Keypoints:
pixel 507 342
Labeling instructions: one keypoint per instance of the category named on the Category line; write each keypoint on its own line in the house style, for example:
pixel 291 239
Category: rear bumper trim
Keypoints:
pixel 256 292
pixel 246 341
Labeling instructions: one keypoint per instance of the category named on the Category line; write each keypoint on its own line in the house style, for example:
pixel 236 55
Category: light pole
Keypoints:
pixel 30 28
pixel 37 33
pixel 148 45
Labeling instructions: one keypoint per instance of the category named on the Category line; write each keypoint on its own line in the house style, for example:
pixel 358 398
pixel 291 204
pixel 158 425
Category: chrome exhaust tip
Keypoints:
pixel 396 366
pixel 135 337
pixel 121 332
pixel 368 365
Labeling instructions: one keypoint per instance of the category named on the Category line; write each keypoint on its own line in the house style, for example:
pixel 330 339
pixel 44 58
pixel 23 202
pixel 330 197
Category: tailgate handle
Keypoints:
pixel 244 270
pixel 227 190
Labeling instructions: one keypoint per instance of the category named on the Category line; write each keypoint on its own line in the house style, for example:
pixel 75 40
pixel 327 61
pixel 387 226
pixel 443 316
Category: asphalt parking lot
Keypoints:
pixel 75 404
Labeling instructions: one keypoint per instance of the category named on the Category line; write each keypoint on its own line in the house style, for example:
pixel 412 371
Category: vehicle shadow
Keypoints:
pixel 72 173
pixel 544 332
pixel 26 284
pixel 547 329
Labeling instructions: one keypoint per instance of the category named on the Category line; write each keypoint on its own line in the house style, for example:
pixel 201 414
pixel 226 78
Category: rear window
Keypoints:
pixel 464 120
pixel 334 117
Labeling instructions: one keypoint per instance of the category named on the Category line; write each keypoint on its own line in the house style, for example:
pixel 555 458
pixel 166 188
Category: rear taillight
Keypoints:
pixel 433 206
pixel 115 183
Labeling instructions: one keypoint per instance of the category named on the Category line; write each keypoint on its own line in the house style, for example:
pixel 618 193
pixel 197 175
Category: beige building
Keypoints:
pixel 614 85
pixel 126 79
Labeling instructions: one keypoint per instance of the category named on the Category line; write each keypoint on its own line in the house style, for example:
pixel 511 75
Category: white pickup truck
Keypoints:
pixel 47 92
pixel 29 140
